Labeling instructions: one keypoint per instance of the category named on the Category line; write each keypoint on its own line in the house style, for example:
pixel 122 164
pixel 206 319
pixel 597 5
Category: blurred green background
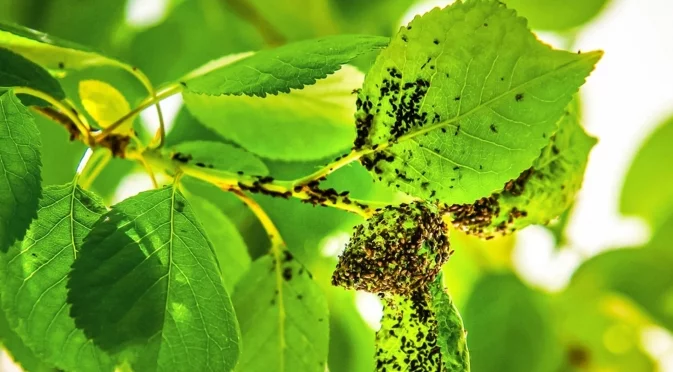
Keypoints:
pixel 591 292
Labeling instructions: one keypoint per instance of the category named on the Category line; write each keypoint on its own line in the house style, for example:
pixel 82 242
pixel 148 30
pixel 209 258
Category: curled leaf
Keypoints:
pixel 397 251
pixel 540 193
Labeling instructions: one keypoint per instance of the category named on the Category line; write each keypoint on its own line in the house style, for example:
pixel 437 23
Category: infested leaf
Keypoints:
pixel 399 250
pixel 283 317
pixel 462 101
pixel 105 104
pixel 20 188
pixel 540 193
pixel 147 283
pixel 423 331
pixel 305 124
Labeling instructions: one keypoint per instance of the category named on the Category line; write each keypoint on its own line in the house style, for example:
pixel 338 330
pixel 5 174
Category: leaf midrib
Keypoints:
pixel 427 129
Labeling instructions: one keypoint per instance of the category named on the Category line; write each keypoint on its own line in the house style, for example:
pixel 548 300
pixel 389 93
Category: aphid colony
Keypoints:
pixel 399 250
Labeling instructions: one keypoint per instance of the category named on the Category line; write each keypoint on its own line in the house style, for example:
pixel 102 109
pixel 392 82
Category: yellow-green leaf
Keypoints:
pixel 104 103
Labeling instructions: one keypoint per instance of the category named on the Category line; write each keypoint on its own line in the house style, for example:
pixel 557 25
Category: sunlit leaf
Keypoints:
pixel 17 349
pixel 509 327
pixel 540 193
pixel 557 14
pixel 219 156
pixel 105 104
pixel 462 101
pixel 291 66
pixel 20 163
pixel 231 251
pixel 34 280
pixel 283 317
pixel 20 72
pixel 49 51
pixel 305 124
pixel 648 187
pixel 147 281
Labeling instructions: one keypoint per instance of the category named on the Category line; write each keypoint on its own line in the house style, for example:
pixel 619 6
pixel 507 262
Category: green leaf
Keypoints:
pixel 291 66
pixel 462 101
pixel 643 275
pixel 186 128
pixel 601 331
pixel 422 332
pixel 20 72
pixel 283 317
pixel 305 124
pixel 540 193
pixel 509 327
pixel 20 163
pixel 557 14
pixel 17 349
pixel 451 332
pixel 105 104
pixel 34 280
pixel 220 156
pixel 147 282
pixel 49 51
pixel 648 187
pixel 232 253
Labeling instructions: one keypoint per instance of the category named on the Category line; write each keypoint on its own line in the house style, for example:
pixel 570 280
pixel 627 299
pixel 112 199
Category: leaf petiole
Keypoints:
pixel 153 99
pixel 92 164
pixel 83 128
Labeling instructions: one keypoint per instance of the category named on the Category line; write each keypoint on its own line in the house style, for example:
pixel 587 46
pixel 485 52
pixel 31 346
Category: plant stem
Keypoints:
pixel 65 110
pixel 147 102
pixel 285 189
pixel 329 168
pixel 161 133
pixel 247 11
pixel 95 164
pixel 277 242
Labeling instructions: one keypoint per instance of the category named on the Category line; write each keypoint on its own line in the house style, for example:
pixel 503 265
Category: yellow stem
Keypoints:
pixel 65 109
pixel 285 189
pixel 330 168
pixel 161 132
pixel 93 166
pixel 277 242
pixel 147 102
